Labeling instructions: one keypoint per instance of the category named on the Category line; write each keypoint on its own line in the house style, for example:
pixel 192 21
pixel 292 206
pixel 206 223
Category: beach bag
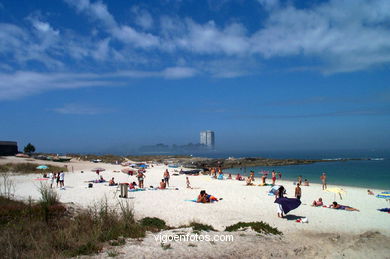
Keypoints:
pixel 90 185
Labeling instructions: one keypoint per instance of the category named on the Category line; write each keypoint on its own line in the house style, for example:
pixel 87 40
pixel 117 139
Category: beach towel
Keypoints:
pixel 41 179
pixel 136 190
pixel 288 204
pixel 273 190
pixel 385 210
pixel 194 200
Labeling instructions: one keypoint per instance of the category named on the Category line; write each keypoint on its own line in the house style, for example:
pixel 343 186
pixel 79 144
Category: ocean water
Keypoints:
pixel 361 173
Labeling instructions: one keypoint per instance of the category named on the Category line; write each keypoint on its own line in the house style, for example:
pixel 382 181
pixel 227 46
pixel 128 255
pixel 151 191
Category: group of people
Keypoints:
pixel 334 205
pixel 59 178
pixel 203 197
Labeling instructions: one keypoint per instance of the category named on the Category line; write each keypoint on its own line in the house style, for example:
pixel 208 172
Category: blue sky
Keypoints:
pixel 102 76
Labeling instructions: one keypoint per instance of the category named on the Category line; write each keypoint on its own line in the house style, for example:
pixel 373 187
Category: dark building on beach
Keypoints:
pixel 8 148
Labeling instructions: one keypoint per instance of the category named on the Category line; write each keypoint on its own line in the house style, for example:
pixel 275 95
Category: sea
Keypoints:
pixel 372 172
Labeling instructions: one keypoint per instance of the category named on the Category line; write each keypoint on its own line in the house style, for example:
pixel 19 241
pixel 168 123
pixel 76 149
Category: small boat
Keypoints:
pixel 61 159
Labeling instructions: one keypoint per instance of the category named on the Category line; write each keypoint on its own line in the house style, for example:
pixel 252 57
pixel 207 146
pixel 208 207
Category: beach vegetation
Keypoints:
pixel 166 246
pixel 28 168
pixel 49 229
pixel 197 227
pixel 153 224
pixel 29 148
pixel 7 186
pixel 260 227
pixel 112 253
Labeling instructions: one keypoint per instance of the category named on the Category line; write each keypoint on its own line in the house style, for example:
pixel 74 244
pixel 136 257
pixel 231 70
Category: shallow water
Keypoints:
pixel 361 173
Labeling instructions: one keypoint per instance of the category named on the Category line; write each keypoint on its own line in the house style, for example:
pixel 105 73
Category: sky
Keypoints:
pixel 265 75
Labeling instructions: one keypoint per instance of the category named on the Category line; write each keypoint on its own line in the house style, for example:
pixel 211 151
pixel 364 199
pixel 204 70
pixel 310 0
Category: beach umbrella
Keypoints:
pixel 98 169
pixel 128 170
pixel 384 195
pixel 42 167
pixel 336 190
pixel 143 166
pixel 288 204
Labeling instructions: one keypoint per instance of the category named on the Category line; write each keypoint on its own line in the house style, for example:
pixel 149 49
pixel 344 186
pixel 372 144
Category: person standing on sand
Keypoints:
pixel 140 177
pixel 62 179
pixel 300 180
pixel 188 183
pixel 58 178
pixel 298 192
pixel 166 177
pixel 323 179
pixel 273 177
pixel 279 194
pixel 280 175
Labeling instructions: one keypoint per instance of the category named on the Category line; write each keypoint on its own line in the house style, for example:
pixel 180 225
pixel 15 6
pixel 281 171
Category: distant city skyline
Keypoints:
pixel 99 76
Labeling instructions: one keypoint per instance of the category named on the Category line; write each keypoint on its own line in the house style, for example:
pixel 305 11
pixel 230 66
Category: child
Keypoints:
pixel 188 183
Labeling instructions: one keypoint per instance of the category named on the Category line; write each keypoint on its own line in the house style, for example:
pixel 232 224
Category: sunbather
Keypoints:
pixel 112 182
pixel 370 192
pixel 336 206
pixel 203 197
pixel 318 203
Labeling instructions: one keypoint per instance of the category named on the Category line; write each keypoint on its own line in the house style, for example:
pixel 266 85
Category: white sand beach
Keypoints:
pixel 333 232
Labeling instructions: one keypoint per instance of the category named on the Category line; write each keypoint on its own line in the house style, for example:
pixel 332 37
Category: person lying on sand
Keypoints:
pixel 239 177
pixel 317 203
pixel 370 192
pixel 249 181
pixel 336 206
pixel 203 197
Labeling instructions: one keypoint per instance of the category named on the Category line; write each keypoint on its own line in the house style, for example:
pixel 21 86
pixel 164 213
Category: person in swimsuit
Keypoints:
pixel 298 192
pixel 140 177
pixel 273 177
pixel 279 194
pixel 163 184
pixel 317 203
pixel 166 177
pixel 323 180
pixel 336 206
pixel 188 183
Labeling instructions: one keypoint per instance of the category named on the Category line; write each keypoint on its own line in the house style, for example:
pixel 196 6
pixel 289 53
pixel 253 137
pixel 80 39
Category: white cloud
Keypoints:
pixel 25 83
pixel 124 33
pixel 143 18
pixel 346 35
pixel 80 109
pixel 179 72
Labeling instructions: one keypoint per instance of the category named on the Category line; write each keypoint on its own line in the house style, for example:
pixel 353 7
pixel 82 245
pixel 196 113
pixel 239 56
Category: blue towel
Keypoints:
pixel 194 200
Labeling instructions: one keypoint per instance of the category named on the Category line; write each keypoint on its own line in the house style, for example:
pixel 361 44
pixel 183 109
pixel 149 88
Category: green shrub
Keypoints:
pixel 153 224
pixel 201 227
pixel 260 227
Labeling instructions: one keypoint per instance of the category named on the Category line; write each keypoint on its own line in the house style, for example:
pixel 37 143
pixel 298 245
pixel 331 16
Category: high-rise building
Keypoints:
pixel 207 138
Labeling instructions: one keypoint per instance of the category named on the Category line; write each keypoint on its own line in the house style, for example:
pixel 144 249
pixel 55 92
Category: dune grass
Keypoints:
pixel 46 229
pixel 260 227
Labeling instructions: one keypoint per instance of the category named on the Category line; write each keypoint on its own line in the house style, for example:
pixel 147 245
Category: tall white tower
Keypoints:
pixel 207 138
